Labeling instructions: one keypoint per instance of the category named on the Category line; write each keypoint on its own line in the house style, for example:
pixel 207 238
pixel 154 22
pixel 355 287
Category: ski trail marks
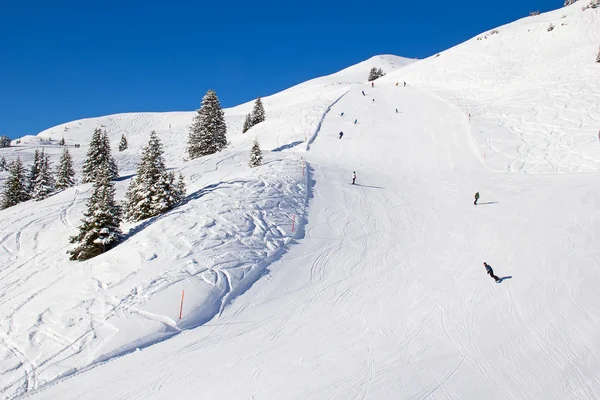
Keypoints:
pixel 64 213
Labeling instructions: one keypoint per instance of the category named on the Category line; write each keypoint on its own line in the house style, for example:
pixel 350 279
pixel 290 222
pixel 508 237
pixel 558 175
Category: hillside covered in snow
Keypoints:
pixel 299 284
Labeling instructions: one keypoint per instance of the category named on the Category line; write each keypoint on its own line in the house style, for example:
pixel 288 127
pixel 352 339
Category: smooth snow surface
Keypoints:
pixel 384 296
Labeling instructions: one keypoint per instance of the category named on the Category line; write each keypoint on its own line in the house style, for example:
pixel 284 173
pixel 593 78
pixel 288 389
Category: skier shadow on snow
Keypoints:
pixel 288 146
pixel 369 186
pixel 503 278
pixel 489 202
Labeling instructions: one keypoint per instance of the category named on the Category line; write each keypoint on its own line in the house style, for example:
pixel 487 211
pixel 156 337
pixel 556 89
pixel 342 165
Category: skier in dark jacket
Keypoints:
pixel 341 134
pixel 363 92
pixel 476 198
pixel 490 271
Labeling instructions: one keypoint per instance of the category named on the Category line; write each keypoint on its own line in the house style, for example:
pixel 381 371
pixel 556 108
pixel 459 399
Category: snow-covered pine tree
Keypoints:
pixel 123 143
pixel 99 231
pixel 62 141
pixel 181 189
pixel 44 183
pixel 373 74
pixel 65 174
pixel 247 123
pixel 15 186
pixel 99 158
pixel 3 164
pixel 380 73
pixel 4 141
pixel 152 191
pixel 258 113
pixel 255 155
pixel 34 171
pixel 208 133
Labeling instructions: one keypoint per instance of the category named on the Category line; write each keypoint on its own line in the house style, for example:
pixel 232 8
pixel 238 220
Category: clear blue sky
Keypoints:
pixel 64 60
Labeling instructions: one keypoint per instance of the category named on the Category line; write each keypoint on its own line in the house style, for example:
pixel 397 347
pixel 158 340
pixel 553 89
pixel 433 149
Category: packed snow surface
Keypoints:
pixel 379 292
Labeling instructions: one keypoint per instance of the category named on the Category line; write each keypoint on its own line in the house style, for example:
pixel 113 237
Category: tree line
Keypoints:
pixel 152 191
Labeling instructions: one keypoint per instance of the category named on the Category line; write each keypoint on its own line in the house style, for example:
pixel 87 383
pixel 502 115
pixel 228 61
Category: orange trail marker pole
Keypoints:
pixel 181 307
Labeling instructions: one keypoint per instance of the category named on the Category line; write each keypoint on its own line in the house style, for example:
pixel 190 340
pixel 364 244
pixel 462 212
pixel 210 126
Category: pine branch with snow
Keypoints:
pixel 123 143
pixel 65 174
pixel 247 123
pixel 3 166
pixel 255 155
pixel 4 141
pixel 153 190
pixel 99 231
pixel 15 186
pixel 99 158
pixel 44 183
pixel 208 133
pixel 34 171
pixel 258 113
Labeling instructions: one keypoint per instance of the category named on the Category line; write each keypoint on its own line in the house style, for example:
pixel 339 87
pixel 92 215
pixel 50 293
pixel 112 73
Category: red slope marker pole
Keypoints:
pixel 181 307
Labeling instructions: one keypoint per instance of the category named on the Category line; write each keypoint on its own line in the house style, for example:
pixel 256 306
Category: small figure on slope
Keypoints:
pixel 396 84
pixel 372 84
pixel 355 121
pixel 476 198
pixel 396 111
pixel 490 271
pixel 342 114
pixel 404 84
pixel 353 177
pixel 341 134
pixel 363 92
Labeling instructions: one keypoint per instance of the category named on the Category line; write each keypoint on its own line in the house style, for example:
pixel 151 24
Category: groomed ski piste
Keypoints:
pixel 379 291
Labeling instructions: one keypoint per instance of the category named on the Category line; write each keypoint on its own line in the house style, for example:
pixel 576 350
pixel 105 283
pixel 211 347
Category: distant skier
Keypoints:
pixel 341 134
pixel 404 84
pixel 476 198
pixel 372 84
pixel 396 84
pixel 373 101
pixel 363 92
pixel 353 177
pixel 355 121
pixel 396 111
pixel 490 271
pixel 342 114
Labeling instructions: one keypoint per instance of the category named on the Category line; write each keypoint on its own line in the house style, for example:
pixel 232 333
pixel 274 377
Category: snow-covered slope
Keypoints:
pixel 58 316
pixel 385 295
pixel 532 94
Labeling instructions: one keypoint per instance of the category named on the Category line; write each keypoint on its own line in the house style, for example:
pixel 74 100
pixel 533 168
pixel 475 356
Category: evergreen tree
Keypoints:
pixel 62 141
pixel 255 155
pixel 3 164
pixel 99 158
pixel 4 141
pixel 15 186
pixel 99 230
pixel 123 143
pixel 44 182
pixel 181 189
pixel 258 113
pixel 208 131
pixel 152 191
pixel 247 123
pixel 375 73
pixel 65 174
pixel 34 171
